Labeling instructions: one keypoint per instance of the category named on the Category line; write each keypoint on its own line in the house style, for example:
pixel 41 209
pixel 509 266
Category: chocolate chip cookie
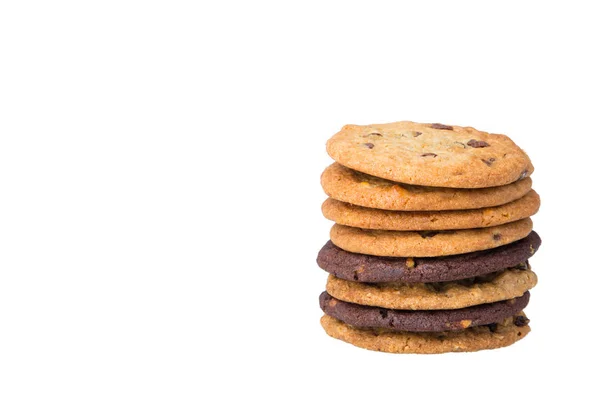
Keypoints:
pixel 355 187
pixel 489 288
pixel 427 243
pixel 361 316
pixel 471 339
pixel 366 268
pixel 430 154
pixel 372 218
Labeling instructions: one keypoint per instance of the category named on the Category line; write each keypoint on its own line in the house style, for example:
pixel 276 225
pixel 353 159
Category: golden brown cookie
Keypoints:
pixel 430 154
pixel 427 243
pixel 489 288
pixel 371 218
pixel 470 339
pixel 355 187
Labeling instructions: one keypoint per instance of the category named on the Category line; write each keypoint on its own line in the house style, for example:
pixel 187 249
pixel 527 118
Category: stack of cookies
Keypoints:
pixel 432 236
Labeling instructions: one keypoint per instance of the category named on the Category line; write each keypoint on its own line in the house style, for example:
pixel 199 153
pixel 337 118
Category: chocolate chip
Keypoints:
pixel 369 145
pixel 384 313
pixel 493 327
pixel 524 266
pixel 435 287
pixel 497 236
pixel 427 234
pixel 442 126
pixel 477 143
pixel 429 155
pixel 415 134
pixel 489 161
pixel 520 320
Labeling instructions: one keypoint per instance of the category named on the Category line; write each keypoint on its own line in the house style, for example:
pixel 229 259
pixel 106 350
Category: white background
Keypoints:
pixel 160 198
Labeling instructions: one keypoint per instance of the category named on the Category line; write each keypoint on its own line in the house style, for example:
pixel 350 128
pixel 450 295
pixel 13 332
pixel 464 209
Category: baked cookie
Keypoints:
pixel 427 243
pixel 371 218
pixel 355 187
pixel 366 268
pixel 421 321
pixel 471 339
pixel 430 154
pixel 489 288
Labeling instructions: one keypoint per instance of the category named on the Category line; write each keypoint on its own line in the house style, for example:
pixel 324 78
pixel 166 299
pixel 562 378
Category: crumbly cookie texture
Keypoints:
pixel 471 339
pixel 427 243
pixel 450 295
pixel 357 188
pixel 371 218
pixel 361 316
pixel 430 154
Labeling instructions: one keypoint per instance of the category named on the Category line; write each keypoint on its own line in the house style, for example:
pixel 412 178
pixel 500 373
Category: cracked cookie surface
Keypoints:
pixel 430 154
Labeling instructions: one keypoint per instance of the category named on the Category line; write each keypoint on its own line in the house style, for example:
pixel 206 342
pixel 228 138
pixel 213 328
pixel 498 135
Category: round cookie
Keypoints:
pixel 471 339
pixel 427 243
pixel 421 321
pixel 357 188
pixel 489 288
pixel 371 218
pixel 366 268
pixel 430 154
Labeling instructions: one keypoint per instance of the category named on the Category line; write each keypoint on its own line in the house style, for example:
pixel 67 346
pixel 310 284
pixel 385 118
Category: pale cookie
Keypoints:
pixel 489 288
pixel 355 187
pixel 430 154
pixel 427 243
pixel 371 218
pixel 471 339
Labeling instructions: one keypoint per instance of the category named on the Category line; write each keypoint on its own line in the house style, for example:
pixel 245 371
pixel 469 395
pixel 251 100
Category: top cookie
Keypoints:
pixel 430 154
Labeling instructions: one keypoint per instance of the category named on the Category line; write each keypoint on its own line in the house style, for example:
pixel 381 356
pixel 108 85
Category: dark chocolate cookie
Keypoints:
pixel 422 321
pixel 366 268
